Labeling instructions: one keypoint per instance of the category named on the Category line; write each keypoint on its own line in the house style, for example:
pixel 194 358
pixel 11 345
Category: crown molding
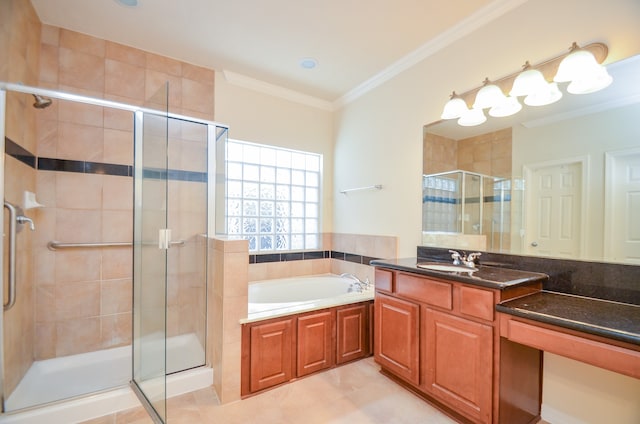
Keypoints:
pixel 244 81
pixel 463 28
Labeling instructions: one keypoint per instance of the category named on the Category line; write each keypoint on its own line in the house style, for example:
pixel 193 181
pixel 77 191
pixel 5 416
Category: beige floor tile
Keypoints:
pixel 355 393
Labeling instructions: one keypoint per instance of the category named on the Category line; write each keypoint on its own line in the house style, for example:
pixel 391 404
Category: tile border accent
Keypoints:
pixel 175 175
pixel 86 167
pixel 468 200
pixel 16 151
pixel 308 255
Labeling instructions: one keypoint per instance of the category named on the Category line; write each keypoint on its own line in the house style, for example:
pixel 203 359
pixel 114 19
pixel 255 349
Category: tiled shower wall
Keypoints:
pixel 83 296
pixel 19 52
pixel 488 154
pixel 187 217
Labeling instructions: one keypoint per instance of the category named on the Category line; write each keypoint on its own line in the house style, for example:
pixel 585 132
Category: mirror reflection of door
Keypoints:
pixel 622 206
pixel 555 216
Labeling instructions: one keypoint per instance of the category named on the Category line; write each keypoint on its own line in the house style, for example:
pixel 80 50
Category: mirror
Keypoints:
pixel 561 180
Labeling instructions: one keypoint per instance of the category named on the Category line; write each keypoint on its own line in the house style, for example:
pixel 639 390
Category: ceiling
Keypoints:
pixel 355 42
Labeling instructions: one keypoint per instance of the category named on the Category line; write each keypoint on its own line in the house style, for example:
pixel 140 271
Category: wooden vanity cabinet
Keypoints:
pixel 459 363
pixel 278 350
pixel 396 345
pixel 440 338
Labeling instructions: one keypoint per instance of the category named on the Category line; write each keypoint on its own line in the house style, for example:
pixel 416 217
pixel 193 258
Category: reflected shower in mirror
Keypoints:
pixel 555 181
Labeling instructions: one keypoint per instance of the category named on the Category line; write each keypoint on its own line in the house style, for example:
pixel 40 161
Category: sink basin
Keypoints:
pixel 438 266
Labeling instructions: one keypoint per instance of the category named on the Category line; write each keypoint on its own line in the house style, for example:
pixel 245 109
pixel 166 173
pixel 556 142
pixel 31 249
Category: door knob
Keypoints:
pixel 534 244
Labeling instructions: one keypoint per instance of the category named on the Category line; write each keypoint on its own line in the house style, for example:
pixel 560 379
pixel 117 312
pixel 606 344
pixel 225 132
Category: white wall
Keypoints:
pixel 379 139
pixel 261 118
pixel 576 393
pixel 379 136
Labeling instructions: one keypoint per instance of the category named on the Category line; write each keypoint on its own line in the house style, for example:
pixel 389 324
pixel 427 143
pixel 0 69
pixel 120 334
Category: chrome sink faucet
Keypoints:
pixel 464 259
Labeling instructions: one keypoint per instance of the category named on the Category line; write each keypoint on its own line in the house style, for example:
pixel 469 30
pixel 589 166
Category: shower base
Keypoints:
pixel 71 376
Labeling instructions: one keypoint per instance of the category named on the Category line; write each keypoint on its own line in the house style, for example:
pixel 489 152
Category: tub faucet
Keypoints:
pixel 359 284
pixel 24 220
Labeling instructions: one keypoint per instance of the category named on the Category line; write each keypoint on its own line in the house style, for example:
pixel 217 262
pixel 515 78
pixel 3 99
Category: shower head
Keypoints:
pixel 41 102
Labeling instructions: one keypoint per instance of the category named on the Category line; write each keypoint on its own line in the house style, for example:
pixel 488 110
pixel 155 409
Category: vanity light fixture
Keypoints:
pixel 583 71
pixel 581 67
pixel 472 117
pixel 532 84
pixel 507 107
pixel 454 108
pixel 528 81
pixel 546 95
pixel 489 95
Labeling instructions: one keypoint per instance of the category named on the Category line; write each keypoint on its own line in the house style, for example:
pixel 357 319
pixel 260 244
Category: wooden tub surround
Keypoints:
pixel 472 343
pixel 276 351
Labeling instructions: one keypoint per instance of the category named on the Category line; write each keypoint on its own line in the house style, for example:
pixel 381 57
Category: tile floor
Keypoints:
pixel 351 394
pixel 355 393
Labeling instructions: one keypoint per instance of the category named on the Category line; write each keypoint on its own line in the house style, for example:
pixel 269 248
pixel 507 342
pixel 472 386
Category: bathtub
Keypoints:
pixel 280 297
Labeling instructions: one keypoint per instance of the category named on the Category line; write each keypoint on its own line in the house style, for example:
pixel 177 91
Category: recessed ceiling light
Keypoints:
pixel 308 63
pixel 127 3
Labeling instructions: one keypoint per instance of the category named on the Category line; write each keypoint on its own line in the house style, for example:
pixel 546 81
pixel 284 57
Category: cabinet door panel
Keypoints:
pixel 396 336
pixel 425 290
pixel 477 303
pixel 271 352
pixel 315 343
pixel 352 335
pixel 384 280
pixel 459 363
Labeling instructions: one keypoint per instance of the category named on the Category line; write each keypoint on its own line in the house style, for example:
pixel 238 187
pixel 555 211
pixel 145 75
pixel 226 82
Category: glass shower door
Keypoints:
pixel 151 241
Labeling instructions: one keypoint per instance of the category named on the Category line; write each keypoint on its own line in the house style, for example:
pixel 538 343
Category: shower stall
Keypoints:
pixel 473 208
pixel 108 210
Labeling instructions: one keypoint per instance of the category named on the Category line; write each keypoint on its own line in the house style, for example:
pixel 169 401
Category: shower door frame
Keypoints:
pixel 62 95
pixel 3 108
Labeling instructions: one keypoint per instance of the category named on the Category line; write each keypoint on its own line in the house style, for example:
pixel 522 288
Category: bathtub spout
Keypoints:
pixel 359 284
pixel 353 277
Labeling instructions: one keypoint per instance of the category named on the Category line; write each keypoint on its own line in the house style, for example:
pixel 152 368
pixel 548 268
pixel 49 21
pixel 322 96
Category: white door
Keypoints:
pixel 622 207
pixel 554 210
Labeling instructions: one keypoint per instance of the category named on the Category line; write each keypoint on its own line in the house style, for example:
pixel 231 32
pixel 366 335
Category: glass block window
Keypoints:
pixel 273 197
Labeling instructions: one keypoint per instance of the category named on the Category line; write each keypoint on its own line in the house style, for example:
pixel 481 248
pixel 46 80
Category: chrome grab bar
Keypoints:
pixel 55 245
pixel 11 300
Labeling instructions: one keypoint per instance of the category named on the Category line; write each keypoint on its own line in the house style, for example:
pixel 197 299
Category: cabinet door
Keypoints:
pixel 396 345
pixel 459 364
pixel 352 333
pixel 271 352
pixel 315 343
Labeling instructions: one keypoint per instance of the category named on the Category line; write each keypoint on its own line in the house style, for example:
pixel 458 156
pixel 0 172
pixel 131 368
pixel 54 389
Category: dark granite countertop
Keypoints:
pixel 614 320
pixel 486 276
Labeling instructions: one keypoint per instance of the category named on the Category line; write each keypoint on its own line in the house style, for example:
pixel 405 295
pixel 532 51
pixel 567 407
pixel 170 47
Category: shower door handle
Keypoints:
pixel 12 255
